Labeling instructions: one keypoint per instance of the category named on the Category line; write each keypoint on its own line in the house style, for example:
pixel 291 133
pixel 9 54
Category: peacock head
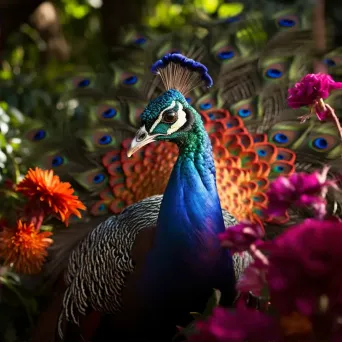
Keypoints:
pixel 169 117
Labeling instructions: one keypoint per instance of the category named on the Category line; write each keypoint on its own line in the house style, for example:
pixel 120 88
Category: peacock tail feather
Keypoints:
pixel 253 57
pixel 255 136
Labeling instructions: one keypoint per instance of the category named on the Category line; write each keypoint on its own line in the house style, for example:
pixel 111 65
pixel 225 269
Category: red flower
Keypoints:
pixel 24 247
pixel 47 193
pixel 300 190
pixel 305 264
pixel 240 237
pixel 235 326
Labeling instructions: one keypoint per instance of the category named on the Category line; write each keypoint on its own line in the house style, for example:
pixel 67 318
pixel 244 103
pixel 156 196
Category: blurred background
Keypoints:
pixel 41 40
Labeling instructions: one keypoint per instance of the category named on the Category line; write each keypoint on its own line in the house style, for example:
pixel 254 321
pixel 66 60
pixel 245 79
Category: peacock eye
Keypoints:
pixel 170 117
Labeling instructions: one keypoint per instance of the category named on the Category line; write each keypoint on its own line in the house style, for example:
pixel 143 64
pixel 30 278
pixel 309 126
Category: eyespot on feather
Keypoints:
pixel 287 22
pixel 214 126
pixel 106 194
pixel 117 206
pixel 36 135
pixel 83 81
pixel 102 138
pixel 246 109
pixel 259 138
pixel 266 152
pixel 139 40
pixel 216 114
pixel 57 161
pixel 226 54
pixel 285 137
pixel 106 112
pixel 275 69
pixel 92 180
pixel 332 61
pixel 111 157
pixel 285 155
pixel 245 139
pixel 115 168
pixel 100 208
pixel 207 102
pixel 281 168
pixel 323 142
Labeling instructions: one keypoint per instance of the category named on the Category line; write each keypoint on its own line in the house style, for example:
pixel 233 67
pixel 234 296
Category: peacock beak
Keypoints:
pixel 141 139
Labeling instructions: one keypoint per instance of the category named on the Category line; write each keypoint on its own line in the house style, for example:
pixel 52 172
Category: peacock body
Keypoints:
pixel 254 138
pixel 174 273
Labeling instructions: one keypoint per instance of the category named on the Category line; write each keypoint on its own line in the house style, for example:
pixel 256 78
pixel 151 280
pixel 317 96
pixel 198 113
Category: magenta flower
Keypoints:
pixel 240 237
pixel 253 279
pixel 311 91
pixel 299 190
pixel 235 326
pixel 311 88
pixel 305 265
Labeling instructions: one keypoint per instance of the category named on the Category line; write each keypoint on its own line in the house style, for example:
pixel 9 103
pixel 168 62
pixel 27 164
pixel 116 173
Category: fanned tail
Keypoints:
pixel 256 137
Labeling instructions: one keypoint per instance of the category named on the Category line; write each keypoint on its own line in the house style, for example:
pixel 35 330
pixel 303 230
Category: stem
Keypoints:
pixel 40 221
pixel 335 119
pixel 257 254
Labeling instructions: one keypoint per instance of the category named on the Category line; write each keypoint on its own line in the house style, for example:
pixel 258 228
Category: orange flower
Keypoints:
pixel 24 247
pixel 46 191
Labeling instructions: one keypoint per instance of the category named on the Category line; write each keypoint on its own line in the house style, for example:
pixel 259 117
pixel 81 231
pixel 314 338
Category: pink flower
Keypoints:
pixel 235 326
pixel 311 88
pixel 299 190
pixel 253 279
pixel 240 237
pixel 305 265
pixel 311 91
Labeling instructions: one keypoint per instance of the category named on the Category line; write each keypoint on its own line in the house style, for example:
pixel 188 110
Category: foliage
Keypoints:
pixel 17 308
pixel 175 13
pixel 30 88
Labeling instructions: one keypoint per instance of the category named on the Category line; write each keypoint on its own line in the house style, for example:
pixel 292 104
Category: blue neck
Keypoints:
pixel 190 215
pixel 187 260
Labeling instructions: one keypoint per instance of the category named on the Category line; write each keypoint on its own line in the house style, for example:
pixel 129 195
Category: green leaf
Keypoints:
pixel 230 10
pixel 212 303
pixel 3 141
pixel 17 56
pixel 76 10
pixel 5 74
pixel 9 193
pixel 46 228
pixel 210 6
pixel 196 315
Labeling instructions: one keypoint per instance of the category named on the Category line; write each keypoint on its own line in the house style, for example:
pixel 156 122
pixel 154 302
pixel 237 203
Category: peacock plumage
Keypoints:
pixel 152 253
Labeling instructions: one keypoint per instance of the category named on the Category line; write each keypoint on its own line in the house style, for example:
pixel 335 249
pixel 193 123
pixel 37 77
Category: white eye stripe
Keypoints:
pixel 161 116
pixel 181 118
pixel 181 121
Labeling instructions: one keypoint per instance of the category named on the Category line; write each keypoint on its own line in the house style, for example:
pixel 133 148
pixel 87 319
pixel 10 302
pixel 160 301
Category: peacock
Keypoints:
pixel 155 158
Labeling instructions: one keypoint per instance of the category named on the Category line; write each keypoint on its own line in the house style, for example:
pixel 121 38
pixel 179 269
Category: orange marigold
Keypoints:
pixel 24 247
pixel 46 191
